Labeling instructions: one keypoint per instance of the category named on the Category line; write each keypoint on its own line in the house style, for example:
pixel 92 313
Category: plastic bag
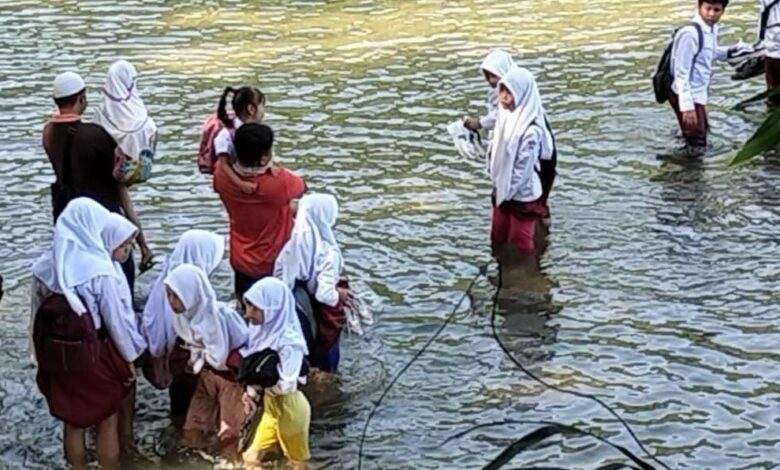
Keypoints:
pixel 467 142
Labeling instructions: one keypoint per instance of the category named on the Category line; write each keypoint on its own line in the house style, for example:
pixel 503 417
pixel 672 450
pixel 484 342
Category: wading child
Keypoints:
pixel 521 141
pixel 165 367
pixel 769 33
pixel 249 106
pixel 84 328
pixel 497 63
pixel 274 325
pixel 312 257
pixel 212 332
pixel 694 49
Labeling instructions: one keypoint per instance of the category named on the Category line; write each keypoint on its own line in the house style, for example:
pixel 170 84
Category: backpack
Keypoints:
pixel 64 341
pixel 209 130
pixel 129 171
pixel 664 76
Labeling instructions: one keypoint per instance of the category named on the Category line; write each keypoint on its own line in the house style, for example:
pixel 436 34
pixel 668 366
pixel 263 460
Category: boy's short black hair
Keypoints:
pixel 723 3
pixel 68 101
pixel 253 141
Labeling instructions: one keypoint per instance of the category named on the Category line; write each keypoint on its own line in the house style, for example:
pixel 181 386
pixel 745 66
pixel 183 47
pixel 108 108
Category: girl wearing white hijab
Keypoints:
pixel 497 63
pixel 522 140
pixel 213 333
pixel 274 324
pixel 83 268
pixel 312 256
pixel 124 116
pixel 198 247
pixel 165 366
pixel 123 113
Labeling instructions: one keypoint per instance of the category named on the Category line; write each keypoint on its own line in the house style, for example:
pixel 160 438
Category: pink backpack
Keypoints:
pixel 207 158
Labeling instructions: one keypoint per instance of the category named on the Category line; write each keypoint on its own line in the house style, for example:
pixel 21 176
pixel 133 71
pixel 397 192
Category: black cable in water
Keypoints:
pixel 555 387
pixel 482 272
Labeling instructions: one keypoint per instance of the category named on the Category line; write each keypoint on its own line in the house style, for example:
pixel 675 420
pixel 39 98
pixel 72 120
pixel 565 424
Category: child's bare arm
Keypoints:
pixel 223 161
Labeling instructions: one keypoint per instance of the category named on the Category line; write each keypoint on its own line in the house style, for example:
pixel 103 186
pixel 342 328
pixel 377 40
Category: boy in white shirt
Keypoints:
pixel 692 69
pixel 769 33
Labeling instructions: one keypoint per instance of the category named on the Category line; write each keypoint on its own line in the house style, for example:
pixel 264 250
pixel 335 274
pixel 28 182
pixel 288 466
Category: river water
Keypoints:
pixel 659 279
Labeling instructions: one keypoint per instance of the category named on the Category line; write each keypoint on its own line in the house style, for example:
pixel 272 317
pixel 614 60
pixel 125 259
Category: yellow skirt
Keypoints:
pixel 285 422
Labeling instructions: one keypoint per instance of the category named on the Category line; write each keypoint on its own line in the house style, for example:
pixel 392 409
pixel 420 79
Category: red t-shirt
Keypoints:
pixel 261 222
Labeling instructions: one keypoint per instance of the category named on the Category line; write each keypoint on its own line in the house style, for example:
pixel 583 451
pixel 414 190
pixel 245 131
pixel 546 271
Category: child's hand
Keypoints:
pixel 247 187
pixel 250 405
pixel 345 295
pixel 689 119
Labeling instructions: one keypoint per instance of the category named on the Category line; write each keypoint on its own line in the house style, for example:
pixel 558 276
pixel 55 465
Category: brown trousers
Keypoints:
pixel 694 136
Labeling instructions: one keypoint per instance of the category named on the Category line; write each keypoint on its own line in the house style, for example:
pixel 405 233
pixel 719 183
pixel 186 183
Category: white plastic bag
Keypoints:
pixel 467 142
pixel 359 315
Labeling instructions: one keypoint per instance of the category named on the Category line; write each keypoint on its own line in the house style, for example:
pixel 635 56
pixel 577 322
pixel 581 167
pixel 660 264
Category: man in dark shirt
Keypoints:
pixel 82 155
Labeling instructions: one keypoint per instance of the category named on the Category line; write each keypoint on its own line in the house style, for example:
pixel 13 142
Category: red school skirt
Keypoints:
pixel 86 399
pixel 514 224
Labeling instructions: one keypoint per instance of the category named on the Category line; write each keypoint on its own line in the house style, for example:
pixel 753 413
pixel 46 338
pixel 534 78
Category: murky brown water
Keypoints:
pixel 664 274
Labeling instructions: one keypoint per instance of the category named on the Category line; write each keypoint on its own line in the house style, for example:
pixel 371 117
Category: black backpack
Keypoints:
pixel 664 76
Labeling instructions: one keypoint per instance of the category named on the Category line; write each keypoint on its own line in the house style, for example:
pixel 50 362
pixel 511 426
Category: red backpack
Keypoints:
pixel 207 157
pixel 64 341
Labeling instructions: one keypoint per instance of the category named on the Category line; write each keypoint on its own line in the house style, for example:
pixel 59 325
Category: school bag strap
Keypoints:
pixel 765 19
pixel 700 36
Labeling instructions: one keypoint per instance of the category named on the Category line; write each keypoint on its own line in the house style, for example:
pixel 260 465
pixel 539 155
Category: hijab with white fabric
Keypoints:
pixel 498 62
pixel 78 252
pixel 312 236
pixel 197 247
pixel 117 231
pixel 511 126
pixel 281 327
pixel 123 113
pixel 209 329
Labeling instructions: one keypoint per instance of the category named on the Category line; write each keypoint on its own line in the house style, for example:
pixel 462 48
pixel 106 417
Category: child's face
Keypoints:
pixel 121 254
pixel 176 304
pixel 506 99
pixel 711 12
pixel 254 314
pixel 491 79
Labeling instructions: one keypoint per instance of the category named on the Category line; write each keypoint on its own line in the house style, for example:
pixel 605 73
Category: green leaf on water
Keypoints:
pixel 523 444
pixel 765 138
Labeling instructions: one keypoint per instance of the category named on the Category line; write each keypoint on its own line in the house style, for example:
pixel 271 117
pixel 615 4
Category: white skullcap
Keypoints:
pixel 67 84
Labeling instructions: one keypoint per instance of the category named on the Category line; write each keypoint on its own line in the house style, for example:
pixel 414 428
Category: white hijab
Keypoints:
pixel 281 327
pixel 123 114
pixel 197 247
pixel 78 251
pixel 498 62
pixel 209 330
pixel 511 127
pixel 312 236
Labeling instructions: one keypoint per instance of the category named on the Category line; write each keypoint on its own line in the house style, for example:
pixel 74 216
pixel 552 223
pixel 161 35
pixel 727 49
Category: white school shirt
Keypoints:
pixel 108 308
pixel 223 142
pixel 525 185
pixel 693 88
pixel 772 34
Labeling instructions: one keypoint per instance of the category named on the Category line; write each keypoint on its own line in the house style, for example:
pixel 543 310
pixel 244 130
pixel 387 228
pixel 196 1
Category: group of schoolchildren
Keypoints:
pixel 217 364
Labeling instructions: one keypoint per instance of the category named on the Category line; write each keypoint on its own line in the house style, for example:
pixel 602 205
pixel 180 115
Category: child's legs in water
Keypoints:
pixel 126 419
pixel 107 443
pixel 74 446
